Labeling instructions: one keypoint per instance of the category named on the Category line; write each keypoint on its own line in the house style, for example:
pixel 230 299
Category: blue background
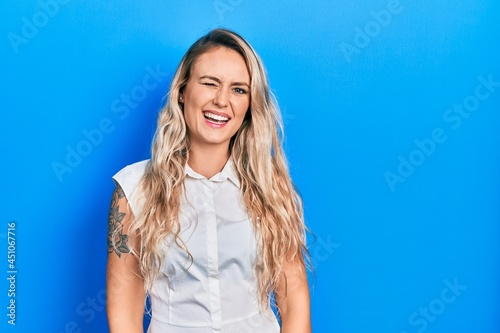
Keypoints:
pixel 362 86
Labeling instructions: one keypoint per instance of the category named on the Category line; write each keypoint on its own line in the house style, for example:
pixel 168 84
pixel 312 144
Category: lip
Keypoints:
pixel 215 125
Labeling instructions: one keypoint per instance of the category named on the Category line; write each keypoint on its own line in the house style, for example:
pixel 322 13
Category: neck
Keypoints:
pixel 208 161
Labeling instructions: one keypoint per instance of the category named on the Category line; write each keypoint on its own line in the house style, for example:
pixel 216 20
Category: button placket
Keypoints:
pixel 213 259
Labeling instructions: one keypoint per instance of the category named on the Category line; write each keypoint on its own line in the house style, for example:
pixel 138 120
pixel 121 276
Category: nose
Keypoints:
pixel 221 97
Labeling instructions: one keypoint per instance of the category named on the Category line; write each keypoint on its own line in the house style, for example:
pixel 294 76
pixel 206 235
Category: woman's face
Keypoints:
pixel 216 97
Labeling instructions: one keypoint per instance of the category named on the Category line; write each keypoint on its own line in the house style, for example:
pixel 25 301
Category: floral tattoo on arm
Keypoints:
pixel 117 241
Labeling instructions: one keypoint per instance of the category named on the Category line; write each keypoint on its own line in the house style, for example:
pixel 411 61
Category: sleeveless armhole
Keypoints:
pixel 129 179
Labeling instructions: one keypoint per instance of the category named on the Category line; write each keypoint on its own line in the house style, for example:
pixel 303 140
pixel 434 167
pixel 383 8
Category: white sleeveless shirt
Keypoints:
pixel 217 290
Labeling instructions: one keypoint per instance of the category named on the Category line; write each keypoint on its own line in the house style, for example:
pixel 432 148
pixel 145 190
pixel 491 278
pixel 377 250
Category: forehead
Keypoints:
pixel 223 63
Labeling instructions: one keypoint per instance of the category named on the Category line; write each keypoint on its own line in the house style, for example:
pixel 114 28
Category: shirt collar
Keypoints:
pixel 228 172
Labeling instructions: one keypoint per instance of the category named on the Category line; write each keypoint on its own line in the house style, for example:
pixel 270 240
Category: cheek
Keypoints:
pixel 189 115
pixel 192 104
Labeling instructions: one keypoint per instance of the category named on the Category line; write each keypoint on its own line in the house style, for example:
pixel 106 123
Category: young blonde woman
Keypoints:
pixel 211 226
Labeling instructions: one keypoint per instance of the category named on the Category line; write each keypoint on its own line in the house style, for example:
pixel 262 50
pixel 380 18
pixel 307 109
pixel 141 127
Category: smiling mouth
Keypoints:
pixel 215 118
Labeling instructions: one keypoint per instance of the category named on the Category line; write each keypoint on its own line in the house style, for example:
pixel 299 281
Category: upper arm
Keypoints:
pixel 124 284
pixel 292 297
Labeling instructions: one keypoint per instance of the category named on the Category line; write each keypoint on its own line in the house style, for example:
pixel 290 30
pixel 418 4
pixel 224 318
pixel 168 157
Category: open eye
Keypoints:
pixel 240 91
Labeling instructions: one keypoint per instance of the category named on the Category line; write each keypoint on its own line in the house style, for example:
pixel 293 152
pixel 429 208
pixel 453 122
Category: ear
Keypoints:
pixel 180 100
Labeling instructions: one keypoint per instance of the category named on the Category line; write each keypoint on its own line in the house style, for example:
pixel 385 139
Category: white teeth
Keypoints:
pixel 215 116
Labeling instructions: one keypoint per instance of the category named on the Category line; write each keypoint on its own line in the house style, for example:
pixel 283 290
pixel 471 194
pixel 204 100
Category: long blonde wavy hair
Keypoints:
pixel 256 149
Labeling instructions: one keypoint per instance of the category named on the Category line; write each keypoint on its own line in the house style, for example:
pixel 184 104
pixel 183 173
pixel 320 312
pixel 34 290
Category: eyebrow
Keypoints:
pixel 216 79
